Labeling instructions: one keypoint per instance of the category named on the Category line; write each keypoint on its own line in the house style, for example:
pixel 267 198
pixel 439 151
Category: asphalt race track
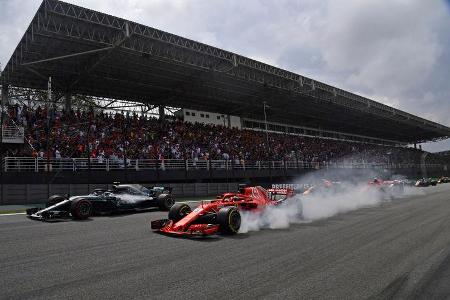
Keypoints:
pixel 400 249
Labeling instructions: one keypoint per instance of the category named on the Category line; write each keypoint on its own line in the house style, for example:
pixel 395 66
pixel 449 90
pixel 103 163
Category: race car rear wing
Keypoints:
pixel 281 191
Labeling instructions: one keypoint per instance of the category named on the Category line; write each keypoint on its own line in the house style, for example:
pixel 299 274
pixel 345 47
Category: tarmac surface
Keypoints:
pixel 398 250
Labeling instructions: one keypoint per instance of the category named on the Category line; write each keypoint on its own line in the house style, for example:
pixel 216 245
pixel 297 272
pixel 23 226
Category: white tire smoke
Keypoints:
pixel 322 203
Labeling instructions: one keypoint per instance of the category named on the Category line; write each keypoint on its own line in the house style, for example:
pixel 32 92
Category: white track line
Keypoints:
pixel 15 214
pixel 196 201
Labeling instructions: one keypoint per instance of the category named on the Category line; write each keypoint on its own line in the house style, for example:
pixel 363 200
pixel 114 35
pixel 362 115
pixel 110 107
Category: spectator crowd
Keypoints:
pixel 78 133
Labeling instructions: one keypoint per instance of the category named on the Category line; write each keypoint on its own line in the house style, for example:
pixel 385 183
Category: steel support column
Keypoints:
pixel 162 114
pixel 5 94
pixel 68 102
pixel 4 101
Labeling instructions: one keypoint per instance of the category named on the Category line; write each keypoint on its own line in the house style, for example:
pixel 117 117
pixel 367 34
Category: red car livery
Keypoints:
pixel 222 215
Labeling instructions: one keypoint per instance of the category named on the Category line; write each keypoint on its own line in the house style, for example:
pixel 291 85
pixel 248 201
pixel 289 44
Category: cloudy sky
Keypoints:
pixel 393 51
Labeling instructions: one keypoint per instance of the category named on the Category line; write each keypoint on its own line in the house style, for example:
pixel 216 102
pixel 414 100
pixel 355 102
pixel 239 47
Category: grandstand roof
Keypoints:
pixel 91 53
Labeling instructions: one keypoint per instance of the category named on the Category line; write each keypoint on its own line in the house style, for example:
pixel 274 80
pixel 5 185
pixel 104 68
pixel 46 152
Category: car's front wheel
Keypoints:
pixel 229 220
pixel 178 211
pixel 81 209
pixel 165 202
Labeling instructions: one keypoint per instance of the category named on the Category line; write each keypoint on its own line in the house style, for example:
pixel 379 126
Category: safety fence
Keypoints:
pixel 29 164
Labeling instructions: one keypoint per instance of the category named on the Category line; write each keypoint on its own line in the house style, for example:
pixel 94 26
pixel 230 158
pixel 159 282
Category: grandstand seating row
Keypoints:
pixel 111 135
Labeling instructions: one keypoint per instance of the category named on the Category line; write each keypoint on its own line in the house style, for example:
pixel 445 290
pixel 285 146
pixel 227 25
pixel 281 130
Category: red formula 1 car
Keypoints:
pixel 391 188
pixel 222 215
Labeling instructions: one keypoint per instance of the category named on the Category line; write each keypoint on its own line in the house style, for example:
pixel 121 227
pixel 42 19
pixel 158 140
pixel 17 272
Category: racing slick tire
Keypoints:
pixel 52 200
pixel 165 202
pixel 81 209
pixel 178 211
pixel 229 219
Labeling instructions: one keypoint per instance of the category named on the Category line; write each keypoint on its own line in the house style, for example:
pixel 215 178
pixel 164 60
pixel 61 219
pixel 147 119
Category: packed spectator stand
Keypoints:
pixel 116 135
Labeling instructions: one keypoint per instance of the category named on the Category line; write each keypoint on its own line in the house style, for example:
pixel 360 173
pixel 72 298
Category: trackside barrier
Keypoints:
pixel 30 164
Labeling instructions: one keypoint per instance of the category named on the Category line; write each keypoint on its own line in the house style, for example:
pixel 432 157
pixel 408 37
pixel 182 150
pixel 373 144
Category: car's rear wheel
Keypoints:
pixel 81 209
pixel 52 200
pixel 178 211
pixel 165 202
pixel 229 220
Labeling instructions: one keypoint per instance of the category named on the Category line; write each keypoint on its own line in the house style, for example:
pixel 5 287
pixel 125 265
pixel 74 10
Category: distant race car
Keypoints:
pixel 391 188
pixel 275 194
pixel 407 182
pixel 121 198
pixel 424 182
pixel 222 215
pixel 444 180
pixel 324 186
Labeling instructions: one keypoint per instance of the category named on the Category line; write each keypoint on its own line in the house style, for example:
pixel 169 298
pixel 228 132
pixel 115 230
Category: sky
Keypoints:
pixel 394 51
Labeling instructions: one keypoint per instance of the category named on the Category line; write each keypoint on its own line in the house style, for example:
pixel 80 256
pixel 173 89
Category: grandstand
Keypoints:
pixel 83 66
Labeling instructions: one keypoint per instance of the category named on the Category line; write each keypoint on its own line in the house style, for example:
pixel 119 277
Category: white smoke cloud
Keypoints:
pixel 274 217
pixel 322 203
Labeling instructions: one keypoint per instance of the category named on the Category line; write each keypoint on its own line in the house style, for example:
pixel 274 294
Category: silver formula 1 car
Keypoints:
pixel 121 198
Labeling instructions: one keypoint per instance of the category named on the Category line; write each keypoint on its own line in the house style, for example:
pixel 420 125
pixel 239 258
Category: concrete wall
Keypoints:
pixel 193 175
pixel 30 187
pixel 38 193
